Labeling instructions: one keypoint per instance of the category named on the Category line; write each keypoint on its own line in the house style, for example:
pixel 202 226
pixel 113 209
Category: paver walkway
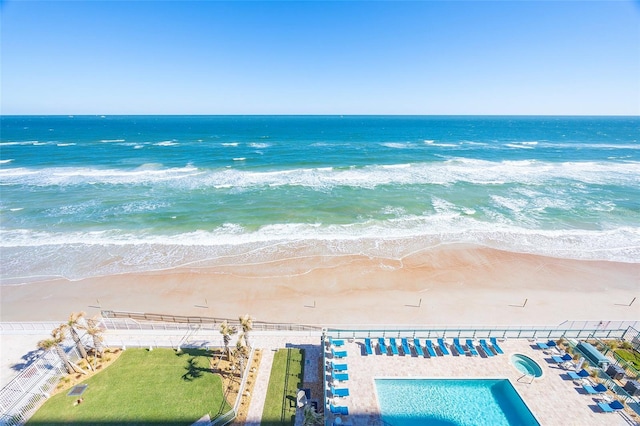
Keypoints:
pixel 254 415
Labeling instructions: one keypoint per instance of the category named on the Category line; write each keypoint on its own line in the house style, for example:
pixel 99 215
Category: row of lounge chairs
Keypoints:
pixel 489 351
pixel 599 389
pixel 339 373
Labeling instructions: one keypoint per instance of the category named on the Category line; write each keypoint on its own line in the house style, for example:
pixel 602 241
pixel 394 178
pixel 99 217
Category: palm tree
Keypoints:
pixel 55 343
pixel 246 322
pixel 311 417
pixel 72 325
pixel 240 354
pixel 49 344
pixel 95 332
pixel 227 331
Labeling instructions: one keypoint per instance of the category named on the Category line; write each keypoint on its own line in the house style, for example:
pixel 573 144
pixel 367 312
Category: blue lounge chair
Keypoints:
pixel 456 344
pixel 339 354
pixel 338 409
pixel 336 342
pixel 579 375
pixel 485 347
pixel 405 347
pixel 393 345
pixel 471 348
pixel 382 345
pixel 611 407
pixel 430 349
pixel 494 343
pixel 595 390
pixel 341 377
pixel 557 359
pixel 443 346
pixel 416 344
pixel 542 345
pixel 341 392
pixel 367 346
pixel 338 367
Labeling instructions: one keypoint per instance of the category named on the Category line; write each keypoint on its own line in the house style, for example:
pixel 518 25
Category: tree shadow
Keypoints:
pixel 28 358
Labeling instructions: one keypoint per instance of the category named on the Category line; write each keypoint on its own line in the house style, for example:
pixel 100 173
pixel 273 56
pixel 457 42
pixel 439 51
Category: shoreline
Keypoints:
pixel 450 284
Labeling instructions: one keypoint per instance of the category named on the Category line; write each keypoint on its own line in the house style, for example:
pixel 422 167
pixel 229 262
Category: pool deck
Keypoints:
pixel 553 398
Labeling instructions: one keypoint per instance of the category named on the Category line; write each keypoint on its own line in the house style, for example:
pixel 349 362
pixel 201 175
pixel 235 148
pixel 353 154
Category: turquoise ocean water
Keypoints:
pixel 93 195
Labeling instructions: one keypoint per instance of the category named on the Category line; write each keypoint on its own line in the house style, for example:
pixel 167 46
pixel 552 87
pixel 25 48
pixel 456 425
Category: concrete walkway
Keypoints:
pixel 254 415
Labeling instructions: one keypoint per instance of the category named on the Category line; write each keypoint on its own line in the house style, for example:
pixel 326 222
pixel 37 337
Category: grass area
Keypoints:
pixel 142 388
pixel 284 382
pixel 631 356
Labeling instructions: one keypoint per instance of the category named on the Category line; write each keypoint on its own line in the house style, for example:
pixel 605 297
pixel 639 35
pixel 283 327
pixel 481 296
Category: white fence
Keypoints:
pixel 21 397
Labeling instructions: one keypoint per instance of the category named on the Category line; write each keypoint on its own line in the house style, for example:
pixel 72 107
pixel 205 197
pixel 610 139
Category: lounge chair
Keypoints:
pixel 416 344
pixel 367 346
pixel 339 409
pixel 393 345
pixel 338 367
pixel 494 343
pixel 341 377
pixel 430 349
pixel 405 347
pixel 542 345
pixel 341 392
pixel 579 375
pixel 336 342
pixel 611 407
pixel 485 347
pixel 382 345
pixel 471 348
pixel 557 359
pixel 595 390
pixel 456 344
pixel 443 346
pixel 338 354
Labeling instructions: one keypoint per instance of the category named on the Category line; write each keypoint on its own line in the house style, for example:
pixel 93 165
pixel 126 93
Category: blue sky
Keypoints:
pixel 421 57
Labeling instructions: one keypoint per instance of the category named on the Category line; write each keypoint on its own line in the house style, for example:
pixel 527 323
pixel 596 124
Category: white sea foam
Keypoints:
pixel 259 145
pixel 66 144
pixel 239 158
pixel 229 144
pixel 442 173
pixel 7 161
pixel 112 140
pixel 397 145
pixel 167 143
pixel 78 255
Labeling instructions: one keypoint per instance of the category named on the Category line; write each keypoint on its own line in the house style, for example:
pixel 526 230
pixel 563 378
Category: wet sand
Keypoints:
pixel 452 285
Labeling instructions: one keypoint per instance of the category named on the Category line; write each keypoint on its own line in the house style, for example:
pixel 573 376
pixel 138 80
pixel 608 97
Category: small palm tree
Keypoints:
pixel 227 331
pixel 240 354
pixel 311 417
pixel 55 343
pixel 246 323
pixel 95 332
pixel 74 323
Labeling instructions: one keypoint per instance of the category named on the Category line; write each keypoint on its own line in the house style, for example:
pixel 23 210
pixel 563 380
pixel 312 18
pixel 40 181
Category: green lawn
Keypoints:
pixel 631 356
pixel 284 382
pixel 142 388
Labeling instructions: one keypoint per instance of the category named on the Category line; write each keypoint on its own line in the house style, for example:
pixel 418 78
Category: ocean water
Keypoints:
pixel 95 195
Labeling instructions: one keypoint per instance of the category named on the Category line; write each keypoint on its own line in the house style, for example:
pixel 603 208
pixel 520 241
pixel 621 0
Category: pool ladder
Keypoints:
pixel 526 375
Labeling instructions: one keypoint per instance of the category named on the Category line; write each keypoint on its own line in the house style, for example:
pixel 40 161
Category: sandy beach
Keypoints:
pixel 454 284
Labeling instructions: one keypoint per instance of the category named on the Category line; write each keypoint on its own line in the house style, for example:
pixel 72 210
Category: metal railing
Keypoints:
pixel 22 397
pixel 577 330
pixel 148 319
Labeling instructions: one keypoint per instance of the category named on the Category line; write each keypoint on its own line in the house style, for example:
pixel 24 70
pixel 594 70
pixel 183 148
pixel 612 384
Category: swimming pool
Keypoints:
pixel 446 402
pixel 526 365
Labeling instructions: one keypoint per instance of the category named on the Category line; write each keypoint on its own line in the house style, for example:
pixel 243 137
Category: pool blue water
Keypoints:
pixel 468 402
